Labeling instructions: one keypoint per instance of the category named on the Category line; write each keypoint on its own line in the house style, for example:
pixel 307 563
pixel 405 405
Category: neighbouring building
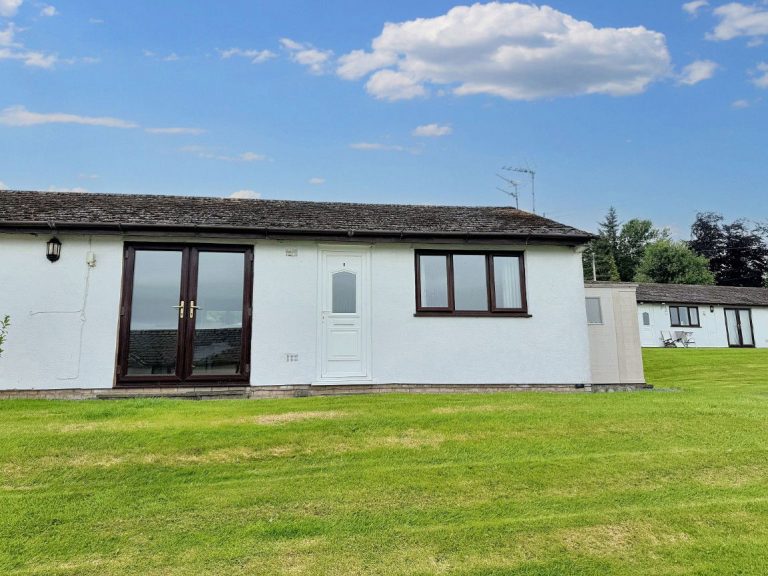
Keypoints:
pixel 614 339
pixel 137 293
pixel 702 316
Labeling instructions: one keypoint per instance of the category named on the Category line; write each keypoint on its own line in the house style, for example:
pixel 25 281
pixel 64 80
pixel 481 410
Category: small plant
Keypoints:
pixel 4 324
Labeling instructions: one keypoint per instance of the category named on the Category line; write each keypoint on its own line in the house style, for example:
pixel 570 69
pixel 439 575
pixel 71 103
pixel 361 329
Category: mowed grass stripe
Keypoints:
pixel 520 483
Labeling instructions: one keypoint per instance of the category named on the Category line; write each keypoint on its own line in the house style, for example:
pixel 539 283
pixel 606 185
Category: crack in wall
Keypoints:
pixel 81 312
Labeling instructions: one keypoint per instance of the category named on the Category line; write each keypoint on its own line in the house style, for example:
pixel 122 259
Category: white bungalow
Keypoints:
pixel 702 316
pixel 128 294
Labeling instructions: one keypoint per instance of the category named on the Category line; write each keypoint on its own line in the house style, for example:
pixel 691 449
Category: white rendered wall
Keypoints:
pixel 63 315
pixel 63 337
pixel 712 333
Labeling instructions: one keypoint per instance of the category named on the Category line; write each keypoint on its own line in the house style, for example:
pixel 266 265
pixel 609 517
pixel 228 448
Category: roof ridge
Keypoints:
pixel 227 198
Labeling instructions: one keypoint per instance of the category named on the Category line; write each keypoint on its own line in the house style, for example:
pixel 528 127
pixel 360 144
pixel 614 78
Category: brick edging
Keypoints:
pixel 305 390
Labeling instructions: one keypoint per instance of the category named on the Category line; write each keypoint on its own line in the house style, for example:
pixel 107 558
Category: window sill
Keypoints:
pixel 474 314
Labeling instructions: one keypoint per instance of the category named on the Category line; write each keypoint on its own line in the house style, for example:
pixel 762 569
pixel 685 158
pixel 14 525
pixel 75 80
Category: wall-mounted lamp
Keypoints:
pixel 53 249
pixel 711 308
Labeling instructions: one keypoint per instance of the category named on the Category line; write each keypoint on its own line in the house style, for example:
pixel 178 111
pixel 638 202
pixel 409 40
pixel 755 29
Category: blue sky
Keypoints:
pixel 657 107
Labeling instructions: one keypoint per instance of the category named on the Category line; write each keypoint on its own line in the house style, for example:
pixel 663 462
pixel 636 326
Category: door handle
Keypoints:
pixel 180 308
pixel 192 308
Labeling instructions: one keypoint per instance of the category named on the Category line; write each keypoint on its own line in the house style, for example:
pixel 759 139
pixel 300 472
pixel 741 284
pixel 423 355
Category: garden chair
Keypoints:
pixel 668 340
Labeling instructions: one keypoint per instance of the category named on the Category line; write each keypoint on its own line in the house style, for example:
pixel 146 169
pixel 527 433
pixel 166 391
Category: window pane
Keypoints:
pixel 344 293
pixel 674 316
pixel 154 317
pixel 646 319
pixel 694 315
pixel 433 281
pixel 683 311
pixel 219 317
pixel 469 282
pixel 506 280
pixel 594 311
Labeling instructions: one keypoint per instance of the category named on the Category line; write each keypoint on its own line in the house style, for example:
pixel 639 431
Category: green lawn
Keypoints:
pixel 525 483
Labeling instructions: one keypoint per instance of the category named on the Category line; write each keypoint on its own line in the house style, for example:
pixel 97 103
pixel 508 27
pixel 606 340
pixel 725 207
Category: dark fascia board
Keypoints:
pixel 701 304
pixel 291 234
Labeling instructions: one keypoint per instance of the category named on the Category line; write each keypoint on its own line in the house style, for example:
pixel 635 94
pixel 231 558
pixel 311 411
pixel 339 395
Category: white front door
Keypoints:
pixel 344 321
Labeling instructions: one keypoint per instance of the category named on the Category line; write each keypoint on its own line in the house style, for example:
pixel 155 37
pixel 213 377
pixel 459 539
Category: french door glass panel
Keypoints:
pixel 154 326
pixel 746 328
pixel 218 313
pixel 186 314
pixel 739 323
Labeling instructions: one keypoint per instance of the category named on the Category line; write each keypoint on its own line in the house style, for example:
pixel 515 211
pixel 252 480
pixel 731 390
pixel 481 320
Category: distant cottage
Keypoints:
pixel 704 316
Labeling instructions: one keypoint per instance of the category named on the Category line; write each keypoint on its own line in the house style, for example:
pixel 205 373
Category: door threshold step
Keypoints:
pixel 222 394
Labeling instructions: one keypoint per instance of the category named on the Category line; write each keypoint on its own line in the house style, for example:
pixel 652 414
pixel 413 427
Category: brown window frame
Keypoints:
pixel 688 312
pixel 185 341
pixel 493 310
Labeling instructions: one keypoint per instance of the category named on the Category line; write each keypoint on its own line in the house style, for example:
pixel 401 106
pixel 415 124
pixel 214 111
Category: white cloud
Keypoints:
pixel 391 85
pixel 20 116
pixel 11 50
pixel 59 189
pixel 3 185
pixel 255 56
pixel 697 71
pixel 6 36
pixel 514 50
pixel 175 131
pixel 378 146
pixel 95 21
pixel 172 57
pixel 760 75
pixel 741 104
pixel 316 181
pixel 48 10
pixel 432 130
pixel 8 8
pixel 737 20
pixel 251 157
pixel 246 194
pixel 29 58
pixel 307 55
pixel 208 154
pixel 693 7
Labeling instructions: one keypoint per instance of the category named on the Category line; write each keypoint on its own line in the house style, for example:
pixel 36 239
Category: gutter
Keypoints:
pixel 288 233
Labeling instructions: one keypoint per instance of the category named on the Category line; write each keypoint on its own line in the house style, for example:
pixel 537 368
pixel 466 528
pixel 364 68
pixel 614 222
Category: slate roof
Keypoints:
pixel 118 212
pixel 695 294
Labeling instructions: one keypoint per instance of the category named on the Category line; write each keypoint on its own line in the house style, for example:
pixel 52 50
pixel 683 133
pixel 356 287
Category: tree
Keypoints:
pixel 669 262
pixel 609 228
pixel 605 264
pixel 738 254
pixel 603 250
pixel 619 248
pixel 635 235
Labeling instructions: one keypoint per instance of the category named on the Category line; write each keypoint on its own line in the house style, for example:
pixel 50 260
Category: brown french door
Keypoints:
pixel 185 315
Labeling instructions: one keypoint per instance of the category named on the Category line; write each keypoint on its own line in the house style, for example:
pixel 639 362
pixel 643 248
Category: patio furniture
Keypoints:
pixel 684 338
pixel 668 340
